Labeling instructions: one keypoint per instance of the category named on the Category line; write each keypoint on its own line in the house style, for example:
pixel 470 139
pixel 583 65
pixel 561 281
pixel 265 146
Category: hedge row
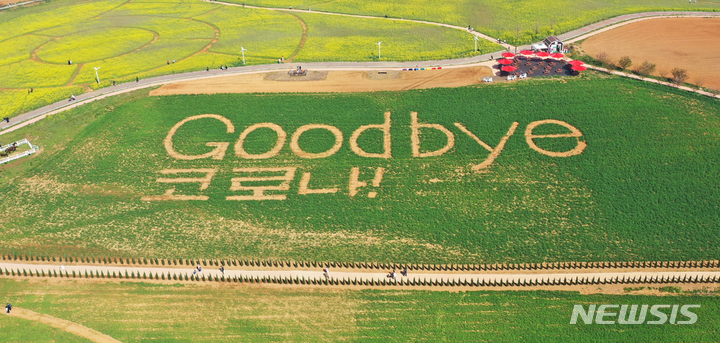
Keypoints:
pixel 366 265
pixel 364 282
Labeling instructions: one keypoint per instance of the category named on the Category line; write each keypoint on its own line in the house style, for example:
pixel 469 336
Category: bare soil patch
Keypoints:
pixel 5 2
pixel 284 76
pixel 340 81
pixel 688 43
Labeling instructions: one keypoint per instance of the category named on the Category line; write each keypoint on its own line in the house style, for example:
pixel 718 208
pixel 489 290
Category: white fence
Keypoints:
pixel 13 157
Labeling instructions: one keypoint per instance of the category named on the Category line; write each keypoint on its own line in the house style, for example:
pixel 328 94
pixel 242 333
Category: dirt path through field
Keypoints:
pixel 62 324
pixel 687 43
pixel 334 81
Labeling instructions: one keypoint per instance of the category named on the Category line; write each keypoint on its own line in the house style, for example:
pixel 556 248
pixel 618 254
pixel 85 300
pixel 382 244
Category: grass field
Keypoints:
pixel 520 22
pixel 225 313
pixel 643 189
pixel 137 39
pixel 22 330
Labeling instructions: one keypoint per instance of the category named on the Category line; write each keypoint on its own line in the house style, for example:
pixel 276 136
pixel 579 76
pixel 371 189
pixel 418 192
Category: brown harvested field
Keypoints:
pixel 689 43
pixel 329 81
pixel 5 2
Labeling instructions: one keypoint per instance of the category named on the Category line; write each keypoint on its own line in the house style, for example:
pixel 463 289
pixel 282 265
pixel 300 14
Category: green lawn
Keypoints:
pixel 520 22
pixel 133 312
pixel 643 189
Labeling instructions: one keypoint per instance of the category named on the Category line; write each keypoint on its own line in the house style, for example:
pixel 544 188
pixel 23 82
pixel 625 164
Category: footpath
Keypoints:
pixel 365 277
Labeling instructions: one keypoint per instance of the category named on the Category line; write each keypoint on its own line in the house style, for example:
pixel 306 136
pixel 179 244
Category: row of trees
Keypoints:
pixel 677 75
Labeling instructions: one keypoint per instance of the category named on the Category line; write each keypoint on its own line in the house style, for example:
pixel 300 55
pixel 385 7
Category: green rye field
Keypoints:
pixel 133 312
pixel 641 184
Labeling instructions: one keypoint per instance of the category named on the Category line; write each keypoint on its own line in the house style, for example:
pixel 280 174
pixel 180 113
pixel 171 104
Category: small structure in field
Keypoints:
pixel 299 71
pixel 550 44
pixel 10 152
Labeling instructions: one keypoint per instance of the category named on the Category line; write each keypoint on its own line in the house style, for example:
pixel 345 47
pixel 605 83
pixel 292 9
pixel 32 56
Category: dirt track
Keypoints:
pixel 688 43
pixel 62 324
pixel 321 81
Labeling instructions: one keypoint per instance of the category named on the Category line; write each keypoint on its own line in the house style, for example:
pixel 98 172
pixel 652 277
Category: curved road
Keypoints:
pixel 35 115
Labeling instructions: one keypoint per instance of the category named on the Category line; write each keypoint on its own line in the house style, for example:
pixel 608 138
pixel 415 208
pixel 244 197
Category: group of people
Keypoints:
pixel 198 269
pixel 393 276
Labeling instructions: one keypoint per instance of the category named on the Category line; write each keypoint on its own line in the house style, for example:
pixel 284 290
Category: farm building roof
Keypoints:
pixel 551 39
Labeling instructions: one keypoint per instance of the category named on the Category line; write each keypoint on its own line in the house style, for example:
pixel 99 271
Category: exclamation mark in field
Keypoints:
pixel 356 184
pixel 376 181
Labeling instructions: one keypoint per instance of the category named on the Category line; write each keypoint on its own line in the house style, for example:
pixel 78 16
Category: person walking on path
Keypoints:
pixel 326 273
pixel 8 307
pixel 222 269
pixel 404 272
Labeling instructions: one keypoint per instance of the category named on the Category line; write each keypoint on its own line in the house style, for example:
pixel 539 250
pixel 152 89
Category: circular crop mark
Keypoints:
pixel 88 46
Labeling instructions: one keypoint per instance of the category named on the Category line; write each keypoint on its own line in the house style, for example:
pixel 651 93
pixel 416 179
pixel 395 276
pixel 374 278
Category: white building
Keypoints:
pixel 550 44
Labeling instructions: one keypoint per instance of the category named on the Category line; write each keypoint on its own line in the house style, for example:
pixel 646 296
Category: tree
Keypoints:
pixel 679 76
pixel 624 62
pixel 646 68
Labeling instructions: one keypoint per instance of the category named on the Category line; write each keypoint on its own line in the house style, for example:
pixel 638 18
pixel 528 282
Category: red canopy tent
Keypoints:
pixel 579 68
pixel 576 63
pixel 542 54
pixel 508 68
pixel 526 52
pixel 505 61
pixel 508 54
pixel 557 55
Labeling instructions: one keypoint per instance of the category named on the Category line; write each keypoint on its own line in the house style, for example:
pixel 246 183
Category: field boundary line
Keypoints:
pixel 62 324
pixel 651 80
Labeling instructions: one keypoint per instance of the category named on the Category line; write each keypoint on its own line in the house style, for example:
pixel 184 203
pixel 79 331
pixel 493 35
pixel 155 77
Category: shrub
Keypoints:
pixel 604 59
pixel 679 76
pixel 624 62
pixel 646 68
